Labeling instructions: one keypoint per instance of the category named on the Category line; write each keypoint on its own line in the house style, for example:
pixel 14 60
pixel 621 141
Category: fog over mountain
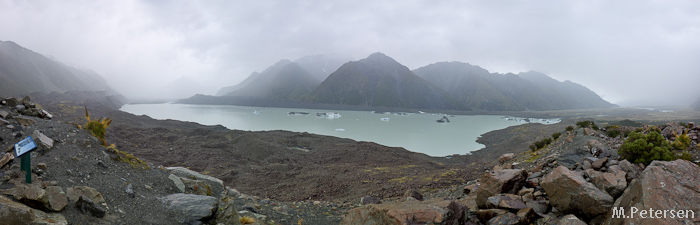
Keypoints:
pixel 23 71
pixel 379 80
pixel 625 51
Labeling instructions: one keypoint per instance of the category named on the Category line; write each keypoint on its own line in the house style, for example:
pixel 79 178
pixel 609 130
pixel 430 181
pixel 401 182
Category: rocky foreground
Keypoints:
pixel 298 178
pixel 562 184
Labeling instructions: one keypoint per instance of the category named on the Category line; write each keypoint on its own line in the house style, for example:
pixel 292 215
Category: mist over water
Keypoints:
pixel 414 132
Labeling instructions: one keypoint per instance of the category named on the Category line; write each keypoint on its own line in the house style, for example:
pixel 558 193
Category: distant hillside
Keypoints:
pixel 479 89
pixel 23 71
pixel 283 80
pixel 696 105
pixel 225 90
pixel 320 66
pixel 379 80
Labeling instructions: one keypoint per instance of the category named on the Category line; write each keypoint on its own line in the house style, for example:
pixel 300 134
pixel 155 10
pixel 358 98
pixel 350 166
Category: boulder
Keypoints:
pixel 370 200
pixel 505 201
pixel 613 181
pixel 12 102
pixel 6 158
pixel 570 193
pixel 597 164
pixel 570 220
pixel 633 171
pixel 57 199
pixel 662 186
pixel 25 121
pixel 471 188
pixel 488 214
pixel 42 140
pixel 413 194
pixel 410 212
pixel 12 213
pixel 588 131
pixel 4 114
pixel 506 157
pixel 527 215
pixel 87 206
pixel 200 183
pixel 75 192
pixel 227 213
pixel 504 219
pixel 595 147
pixel 496 182
pixel 178 182
pixel 191 207
pixel 672 129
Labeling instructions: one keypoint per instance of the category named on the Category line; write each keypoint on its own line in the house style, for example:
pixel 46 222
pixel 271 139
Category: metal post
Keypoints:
pixel 27 166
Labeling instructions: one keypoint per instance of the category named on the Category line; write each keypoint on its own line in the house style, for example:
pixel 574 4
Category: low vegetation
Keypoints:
pixel 645 148
pixel 98 128
pixel 587 124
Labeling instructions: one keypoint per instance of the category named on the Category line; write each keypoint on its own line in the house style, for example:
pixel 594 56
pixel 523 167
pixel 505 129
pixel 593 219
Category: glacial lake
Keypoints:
pixel 416 132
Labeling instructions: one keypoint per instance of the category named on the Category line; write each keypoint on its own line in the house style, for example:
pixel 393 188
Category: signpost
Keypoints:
pixel 21 149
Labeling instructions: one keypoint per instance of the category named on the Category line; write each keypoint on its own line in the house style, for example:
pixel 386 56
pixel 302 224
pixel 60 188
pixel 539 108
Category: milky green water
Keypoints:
pixel 414 132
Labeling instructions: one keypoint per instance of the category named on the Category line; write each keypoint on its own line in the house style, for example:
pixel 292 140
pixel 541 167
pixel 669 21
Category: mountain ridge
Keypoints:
pixel 482 90
pixel 379 80
pixel 23 71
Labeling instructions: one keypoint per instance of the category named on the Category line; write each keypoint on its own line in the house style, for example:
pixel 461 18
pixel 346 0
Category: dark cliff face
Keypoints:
pixel 23 71
pixel 379 80
pixel 479 89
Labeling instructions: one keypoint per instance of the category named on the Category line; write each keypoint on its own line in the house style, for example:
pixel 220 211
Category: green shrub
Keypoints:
pixel 613 133
pixel 595 127
pixel 585 123
pixel 686 156
pixel 570 128
pixel 682 142
pixel 556 135
pixel 645 148
pixel 97 128
pixel 629 123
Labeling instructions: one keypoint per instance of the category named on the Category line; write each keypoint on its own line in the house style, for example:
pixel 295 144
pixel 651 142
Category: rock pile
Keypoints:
pixel 597 188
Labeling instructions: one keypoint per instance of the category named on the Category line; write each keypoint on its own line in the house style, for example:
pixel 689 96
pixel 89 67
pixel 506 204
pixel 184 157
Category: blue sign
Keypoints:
pixel 24 146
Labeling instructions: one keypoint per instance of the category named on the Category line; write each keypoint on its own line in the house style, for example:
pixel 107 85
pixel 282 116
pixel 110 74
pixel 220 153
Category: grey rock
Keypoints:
pixel 370 200
pixel 503 181
pixel 42 140
pixel 130 190
pixel 662 185
pixel 505 219
pixel 12 212
pixel 226 213
pixel 4 114
pixel 191 207
pixel 87 206
pixel 569 192
pixel 74 194
pixel 217 186
pixel 570 220
pixel 178 182
pixel 57 199
pixel 506 157
pixel 599 163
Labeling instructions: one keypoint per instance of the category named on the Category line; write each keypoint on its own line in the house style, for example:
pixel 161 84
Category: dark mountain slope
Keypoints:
pixel 320 66
pixel 479 89
pixel 379 80
pixel 23 71
pixel 283 80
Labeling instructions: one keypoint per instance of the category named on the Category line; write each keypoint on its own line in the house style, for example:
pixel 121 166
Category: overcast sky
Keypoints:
pixel 629 52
